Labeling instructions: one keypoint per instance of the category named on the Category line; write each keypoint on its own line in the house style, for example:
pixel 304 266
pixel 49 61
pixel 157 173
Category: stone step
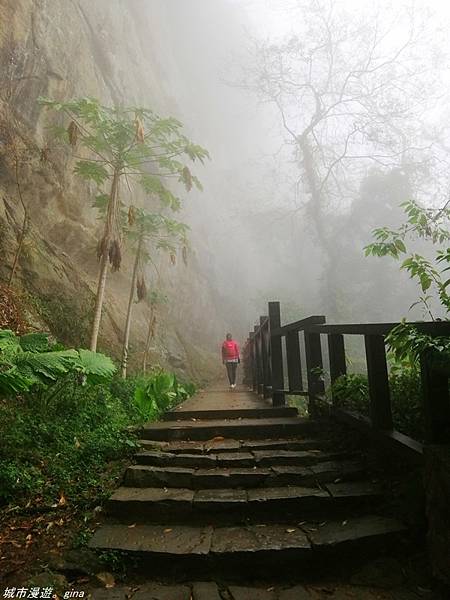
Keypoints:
pixel 243 477
pixel 243 551
pixel 151 505
pixel 218 445
pixel 236 429
pixel 233 413
pixel 260 458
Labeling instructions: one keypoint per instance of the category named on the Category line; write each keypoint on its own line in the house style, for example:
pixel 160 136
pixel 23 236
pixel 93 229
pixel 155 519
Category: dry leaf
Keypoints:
pixel 344 522
pixel 167 530
pixel 131 526
pixel 107 579
pixel 77 443
pixel 139 130
pixel 131 215
pixel 173 258
pixel 62 500
pixel 72 132
pixel 290 530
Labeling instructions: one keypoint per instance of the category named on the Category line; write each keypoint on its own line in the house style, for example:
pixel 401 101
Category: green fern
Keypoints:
pixel 9 344
pixel 31 362
pixel 47 365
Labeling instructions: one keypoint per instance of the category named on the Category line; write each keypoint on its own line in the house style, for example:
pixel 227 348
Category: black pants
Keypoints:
pixel 231 371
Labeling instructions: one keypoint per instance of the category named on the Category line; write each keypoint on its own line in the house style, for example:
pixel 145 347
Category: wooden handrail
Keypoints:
pixel 269 361
pixel 430 327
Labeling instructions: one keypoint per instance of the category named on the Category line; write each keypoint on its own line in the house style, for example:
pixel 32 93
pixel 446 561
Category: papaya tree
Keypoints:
pixel 155 299
pixel 146 231
pixel 117 145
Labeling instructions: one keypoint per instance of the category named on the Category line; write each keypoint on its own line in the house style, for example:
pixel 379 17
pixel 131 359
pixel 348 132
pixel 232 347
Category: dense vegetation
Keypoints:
pixel 352 393
pixel 64 416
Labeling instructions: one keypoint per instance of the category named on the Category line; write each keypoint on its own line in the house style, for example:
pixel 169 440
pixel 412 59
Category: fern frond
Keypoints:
pixel 12 381
pixel 47 365
pixel 9 344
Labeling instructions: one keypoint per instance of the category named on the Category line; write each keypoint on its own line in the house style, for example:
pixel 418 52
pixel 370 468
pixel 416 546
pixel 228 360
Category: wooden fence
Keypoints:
pixel 266 361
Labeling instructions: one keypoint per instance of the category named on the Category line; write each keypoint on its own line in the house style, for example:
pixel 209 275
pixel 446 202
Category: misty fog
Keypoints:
pixel 255 229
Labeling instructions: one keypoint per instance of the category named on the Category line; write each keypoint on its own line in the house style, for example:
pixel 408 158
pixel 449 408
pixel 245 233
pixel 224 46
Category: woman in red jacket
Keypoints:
pixel 231 359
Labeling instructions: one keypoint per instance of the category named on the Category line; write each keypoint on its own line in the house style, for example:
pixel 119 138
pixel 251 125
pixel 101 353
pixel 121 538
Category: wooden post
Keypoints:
pixel 336 354
pixel 436 403
pixel 252 358
pixel 276 355
pixel 257 359
pixel 294 365
pixel 377 374
pixel 264 358
pixel 314 367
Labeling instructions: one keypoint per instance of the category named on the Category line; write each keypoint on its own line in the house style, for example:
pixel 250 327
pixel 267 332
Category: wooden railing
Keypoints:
pixel 266 361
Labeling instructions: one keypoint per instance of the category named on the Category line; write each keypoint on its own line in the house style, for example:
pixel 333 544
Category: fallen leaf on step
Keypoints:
pixel 107 579
pixel 167 530
pixel 131 526
pixel 290 530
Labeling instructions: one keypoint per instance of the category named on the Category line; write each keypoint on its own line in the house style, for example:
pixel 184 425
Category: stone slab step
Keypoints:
pixel 236 429
pixel 209 590
pixel 260 458
pixel 179 504
pixel 234 413
pixel 230 445
pixel 223 549
pixel 242 477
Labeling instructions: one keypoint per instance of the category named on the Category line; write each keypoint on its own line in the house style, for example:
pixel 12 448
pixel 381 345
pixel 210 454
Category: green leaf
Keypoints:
pixel 95 365
pixel 35 342
pixel 91 171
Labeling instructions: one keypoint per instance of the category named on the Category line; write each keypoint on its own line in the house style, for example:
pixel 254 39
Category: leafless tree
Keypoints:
pixel 351 91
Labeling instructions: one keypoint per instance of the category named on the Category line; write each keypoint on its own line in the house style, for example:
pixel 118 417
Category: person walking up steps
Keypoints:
pixel 231 358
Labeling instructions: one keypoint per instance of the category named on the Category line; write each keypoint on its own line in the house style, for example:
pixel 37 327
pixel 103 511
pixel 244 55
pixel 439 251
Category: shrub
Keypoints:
pixel 160 392
pixel 352 393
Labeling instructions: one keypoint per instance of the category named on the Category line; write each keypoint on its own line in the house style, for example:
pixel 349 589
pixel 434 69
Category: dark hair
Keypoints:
pixel 229 336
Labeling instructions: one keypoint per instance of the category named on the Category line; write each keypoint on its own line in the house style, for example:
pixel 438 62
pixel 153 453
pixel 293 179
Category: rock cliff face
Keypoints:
pixel 106 49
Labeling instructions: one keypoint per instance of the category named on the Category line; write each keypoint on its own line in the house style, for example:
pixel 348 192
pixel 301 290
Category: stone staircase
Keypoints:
pixel 242 493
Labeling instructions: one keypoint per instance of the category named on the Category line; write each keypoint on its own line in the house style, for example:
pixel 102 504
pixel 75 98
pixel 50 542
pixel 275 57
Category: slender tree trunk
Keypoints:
pixel 129 311
pixel 99 300
pixel 104 263
pixel 325 240
pixel 24 228
pixel 147 341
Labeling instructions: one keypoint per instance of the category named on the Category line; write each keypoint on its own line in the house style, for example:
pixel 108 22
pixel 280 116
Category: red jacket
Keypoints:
pixel 230 350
